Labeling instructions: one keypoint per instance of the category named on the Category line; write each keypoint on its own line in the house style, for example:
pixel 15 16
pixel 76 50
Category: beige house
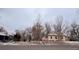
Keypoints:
pixel 53 36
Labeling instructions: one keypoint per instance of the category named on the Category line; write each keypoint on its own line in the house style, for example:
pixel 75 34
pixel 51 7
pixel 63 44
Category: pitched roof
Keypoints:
pixel 2 33
pixel 52 33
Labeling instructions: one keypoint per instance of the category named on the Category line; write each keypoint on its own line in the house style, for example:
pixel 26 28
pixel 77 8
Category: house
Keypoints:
pixel 4 37
pixel 53 36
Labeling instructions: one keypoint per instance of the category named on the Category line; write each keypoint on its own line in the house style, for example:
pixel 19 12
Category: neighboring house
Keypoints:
pixel 53 36
pixel 4 37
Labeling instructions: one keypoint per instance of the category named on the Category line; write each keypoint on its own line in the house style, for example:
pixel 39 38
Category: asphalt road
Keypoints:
pixel 39 47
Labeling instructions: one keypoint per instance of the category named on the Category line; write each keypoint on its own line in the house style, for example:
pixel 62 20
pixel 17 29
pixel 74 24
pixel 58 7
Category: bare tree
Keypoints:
pixel 48 29
pixel 28 34
pixel 74 32
pixel 23 35
pixel 17 36
pixel 3 30
pixel 37 30
pixel 58 27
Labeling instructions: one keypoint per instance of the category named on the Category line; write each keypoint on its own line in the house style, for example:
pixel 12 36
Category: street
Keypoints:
pixel 39 47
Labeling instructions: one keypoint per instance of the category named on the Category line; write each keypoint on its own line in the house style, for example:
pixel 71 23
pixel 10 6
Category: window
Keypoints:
pixel 55 37
pixel 51 37
pixel 61 37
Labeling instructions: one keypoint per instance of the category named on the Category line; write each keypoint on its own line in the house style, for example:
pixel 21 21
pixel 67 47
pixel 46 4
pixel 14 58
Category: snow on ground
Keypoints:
pixel 9 43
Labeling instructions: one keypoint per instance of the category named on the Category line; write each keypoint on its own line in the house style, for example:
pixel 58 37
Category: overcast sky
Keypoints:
pixel 20 18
